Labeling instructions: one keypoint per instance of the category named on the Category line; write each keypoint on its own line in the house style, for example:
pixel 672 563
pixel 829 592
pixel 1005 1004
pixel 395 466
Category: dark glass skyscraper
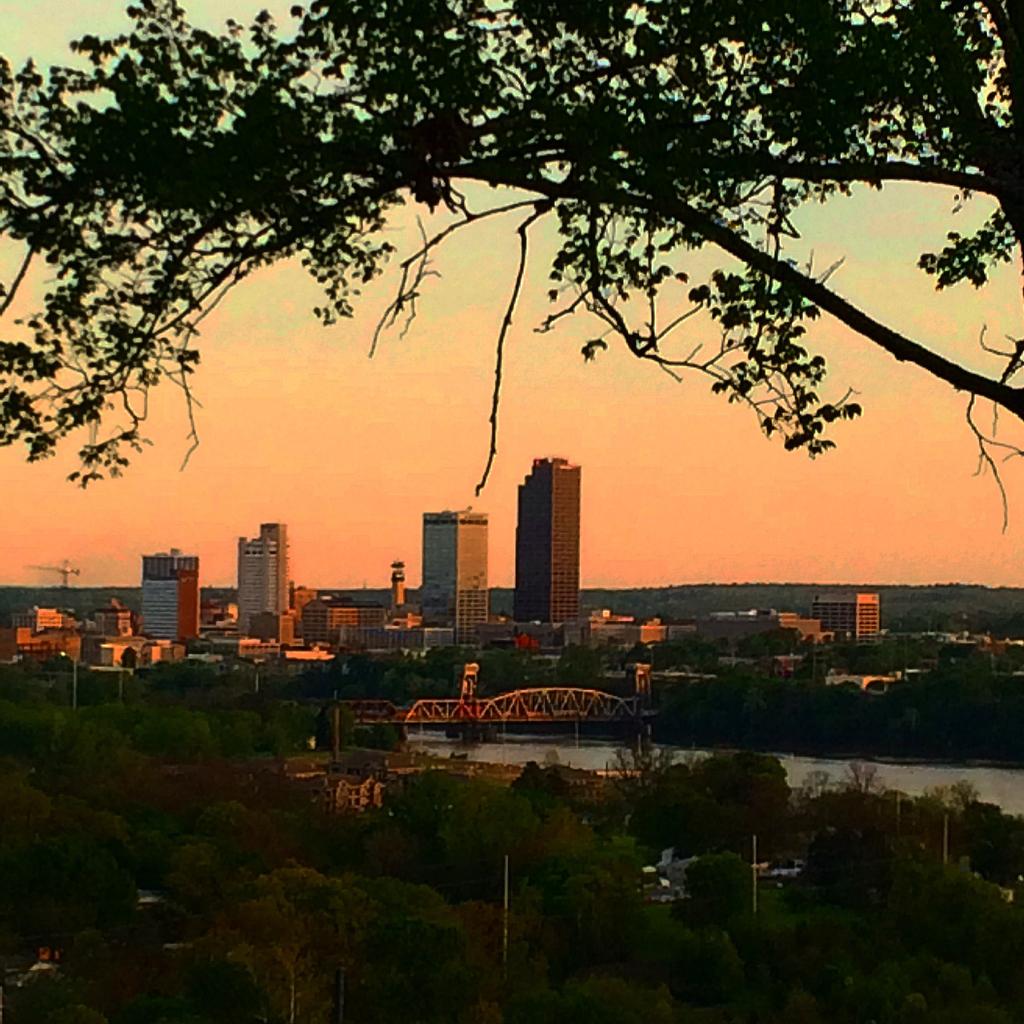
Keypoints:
pixel 548 544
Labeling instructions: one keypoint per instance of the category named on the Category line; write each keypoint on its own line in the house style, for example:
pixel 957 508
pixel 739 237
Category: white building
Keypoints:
pixel 262 574
pixel 454 590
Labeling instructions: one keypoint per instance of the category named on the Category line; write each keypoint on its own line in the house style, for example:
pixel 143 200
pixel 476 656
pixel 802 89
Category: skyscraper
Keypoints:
pixel 263 573
pixel 548 544
pixel 170 595
pixel 454 587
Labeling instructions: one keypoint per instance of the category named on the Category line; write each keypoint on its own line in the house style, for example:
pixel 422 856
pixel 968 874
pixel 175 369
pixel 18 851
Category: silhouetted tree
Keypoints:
pixel 639 130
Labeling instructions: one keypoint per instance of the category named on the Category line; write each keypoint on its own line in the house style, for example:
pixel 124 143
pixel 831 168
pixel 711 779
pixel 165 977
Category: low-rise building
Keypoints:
pixel 115 620
pixel 351 796
pixel 274 627
pixel 39 619
pixel 248 647
pixel 680 629
pixel 603 628
pixel 218 614
pixel 323 618
pixel 809 629
pixel 396 638
pixel 114 651
pixel 738 625
pixel 877 683
pixel 162 652
pixel 22 644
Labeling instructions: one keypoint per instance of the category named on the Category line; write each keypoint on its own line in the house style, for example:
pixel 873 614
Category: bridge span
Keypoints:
pixel 536 704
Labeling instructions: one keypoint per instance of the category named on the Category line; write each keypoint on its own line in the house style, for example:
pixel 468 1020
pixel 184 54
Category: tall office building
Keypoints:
pixel 170 595
pixel 548 544
pixel 454 589
pixel 849 614
pixel 262 574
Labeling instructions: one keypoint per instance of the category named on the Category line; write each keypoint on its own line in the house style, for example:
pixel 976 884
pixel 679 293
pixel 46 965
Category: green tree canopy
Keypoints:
pixel 641 130
pixel 718 888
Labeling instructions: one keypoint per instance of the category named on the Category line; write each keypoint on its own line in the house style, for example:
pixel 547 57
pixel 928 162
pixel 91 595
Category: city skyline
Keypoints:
pixel 681 488
pixel 518 509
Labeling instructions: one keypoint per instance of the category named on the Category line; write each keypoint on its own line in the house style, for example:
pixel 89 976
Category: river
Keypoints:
pixel 1002 786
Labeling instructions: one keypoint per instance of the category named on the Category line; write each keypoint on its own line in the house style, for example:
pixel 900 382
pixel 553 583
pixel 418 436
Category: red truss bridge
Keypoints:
pixel 539 704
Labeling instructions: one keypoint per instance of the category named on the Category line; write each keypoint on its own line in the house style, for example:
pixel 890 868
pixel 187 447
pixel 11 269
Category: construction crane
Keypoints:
pixel 65 570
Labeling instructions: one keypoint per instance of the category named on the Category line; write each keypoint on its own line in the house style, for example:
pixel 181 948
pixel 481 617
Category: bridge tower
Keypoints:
pixel 641 673
pixel 467 687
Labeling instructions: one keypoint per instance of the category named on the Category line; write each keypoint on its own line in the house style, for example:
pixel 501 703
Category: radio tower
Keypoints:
pixel 397 585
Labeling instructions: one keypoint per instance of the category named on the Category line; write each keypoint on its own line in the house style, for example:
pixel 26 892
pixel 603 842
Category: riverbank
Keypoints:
pixel 909 761
pixel 999 785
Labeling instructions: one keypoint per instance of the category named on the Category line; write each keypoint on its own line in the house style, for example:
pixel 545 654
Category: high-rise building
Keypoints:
pixel 454 590
pixel 262 573
pixel 848 614
pixel 548 544
pixel 170 595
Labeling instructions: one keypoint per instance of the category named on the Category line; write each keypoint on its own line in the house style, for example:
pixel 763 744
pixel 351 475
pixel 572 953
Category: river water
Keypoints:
pixel 1002 786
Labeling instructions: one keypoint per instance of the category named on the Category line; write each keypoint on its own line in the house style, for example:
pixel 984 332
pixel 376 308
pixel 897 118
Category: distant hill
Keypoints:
pixel 939 606
pixel 81 600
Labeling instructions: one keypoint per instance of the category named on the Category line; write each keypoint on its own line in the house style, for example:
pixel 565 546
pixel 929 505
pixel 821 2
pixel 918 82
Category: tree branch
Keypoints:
pixel 8 299
pixel 408 292
pixel 899 346
pixel 871 172
pixel 538 211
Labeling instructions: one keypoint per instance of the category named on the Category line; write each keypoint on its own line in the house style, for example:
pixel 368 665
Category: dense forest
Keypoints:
pixel 147 841
pixel 957 702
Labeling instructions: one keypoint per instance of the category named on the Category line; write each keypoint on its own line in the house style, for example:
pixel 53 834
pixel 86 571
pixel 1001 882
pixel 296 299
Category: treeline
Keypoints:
pixel 182 713
pixel 180 884
pixel 967 710
pixel 952 607
pixel 254 899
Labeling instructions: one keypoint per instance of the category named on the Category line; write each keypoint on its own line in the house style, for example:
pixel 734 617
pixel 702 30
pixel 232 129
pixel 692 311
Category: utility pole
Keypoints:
pixel 74 684
pixel 505 923
pixel 753 873
pixel 945 838
pixel 335 733
pixel 339 996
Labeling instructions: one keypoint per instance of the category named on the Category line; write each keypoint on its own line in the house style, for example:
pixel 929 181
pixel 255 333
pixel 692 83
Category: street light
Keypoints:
pixel 74 679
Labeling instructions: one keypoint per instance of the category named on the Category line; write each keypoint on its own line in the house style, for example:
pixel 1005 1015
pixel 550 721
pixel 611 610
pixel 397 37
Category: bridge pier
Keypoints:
pixel 472 732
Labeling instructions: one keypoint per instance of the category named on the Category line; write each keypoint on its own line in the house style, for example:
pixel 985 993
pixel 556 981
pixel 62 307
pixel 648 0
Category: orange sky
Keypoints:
pixel 298 425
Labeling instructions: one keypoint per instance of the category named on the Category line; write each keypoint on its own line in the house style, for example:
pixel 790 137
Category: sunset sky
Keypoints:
pixel 299 425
